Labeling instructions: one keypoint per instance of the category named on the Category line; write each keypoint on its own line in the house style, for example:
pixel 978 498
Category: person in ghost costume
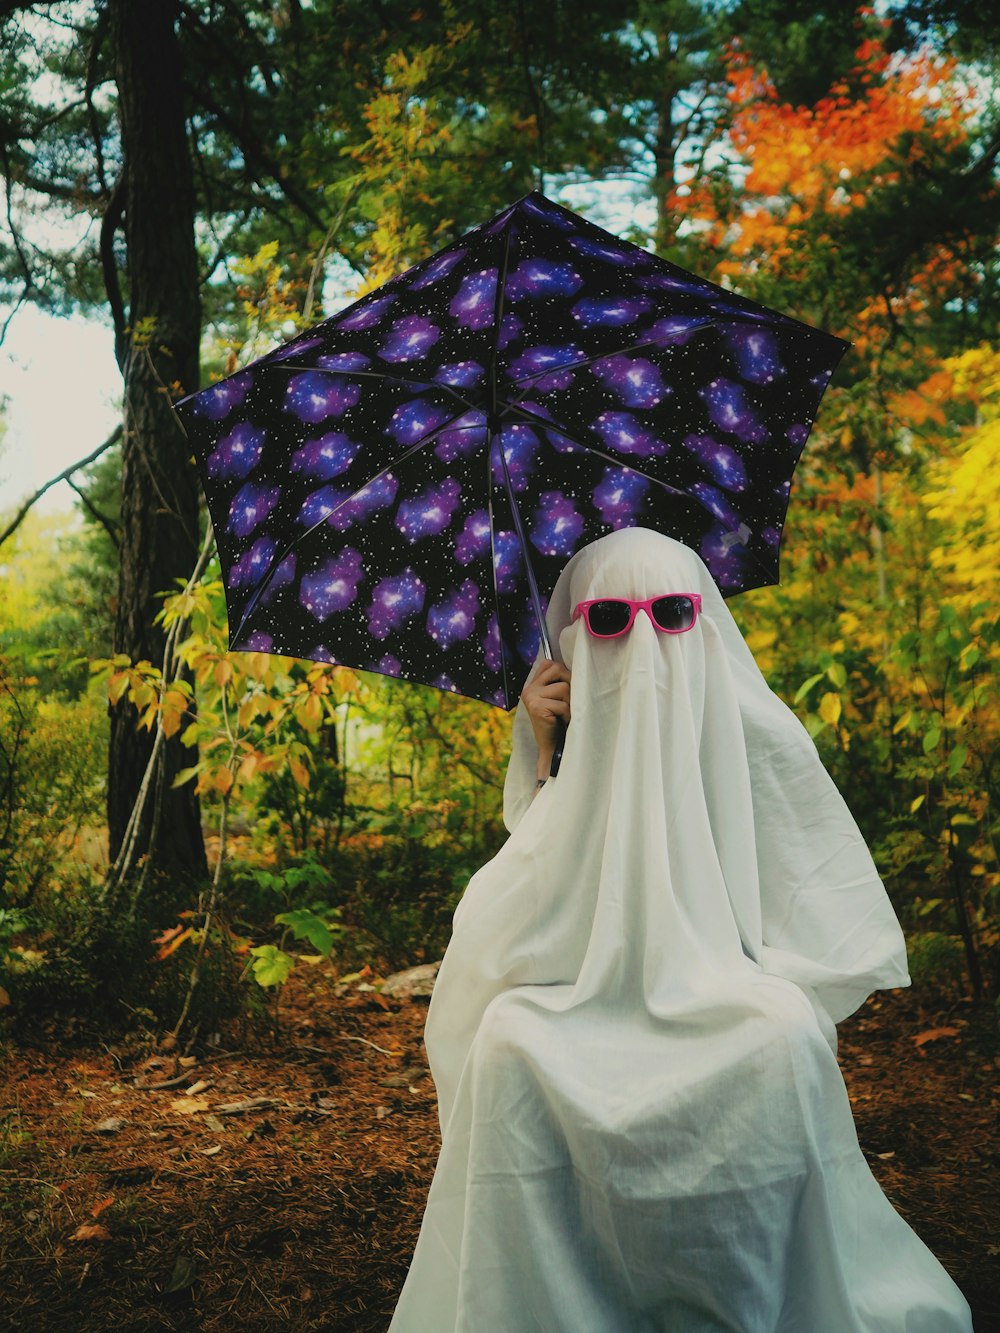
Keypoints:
pixel 632 1033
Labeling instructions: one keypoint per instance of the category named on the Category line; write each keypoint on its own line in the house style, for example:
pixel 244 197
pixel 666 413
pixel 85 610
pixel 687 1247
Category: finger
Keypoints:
pixel 551 671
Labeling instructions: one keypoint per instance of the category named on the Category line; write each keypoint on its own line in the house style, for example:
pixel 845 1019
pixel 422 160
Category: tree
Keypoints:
pixel 159 511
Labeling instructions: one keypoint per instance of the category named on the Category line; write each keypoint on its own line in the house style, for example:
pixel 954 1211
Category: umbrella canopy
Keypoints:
pixel 398 488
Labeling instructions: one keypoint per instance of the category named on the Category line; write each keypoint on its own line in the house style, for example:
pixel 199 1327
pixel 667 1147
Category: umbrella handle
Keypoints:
pixel 557 753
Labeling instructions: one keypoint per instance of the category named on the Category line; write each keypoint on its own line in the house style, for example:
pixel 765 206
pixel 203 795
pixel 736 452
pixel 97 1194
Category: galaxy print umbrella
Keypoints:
pixel 397 488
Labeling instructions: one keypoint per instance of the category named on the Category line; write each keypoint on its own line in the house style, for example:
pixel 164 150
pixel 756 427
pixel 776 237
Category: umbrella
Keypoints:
pixel 398 487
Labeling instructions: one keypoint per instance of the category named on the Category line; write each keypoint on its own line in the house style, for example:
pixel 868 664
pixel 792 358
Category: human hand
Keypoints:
pixel 546 698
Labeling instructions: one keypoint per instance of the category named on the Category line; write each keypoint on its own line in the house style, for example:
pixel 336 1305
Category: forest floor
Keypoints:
pixel 126 1206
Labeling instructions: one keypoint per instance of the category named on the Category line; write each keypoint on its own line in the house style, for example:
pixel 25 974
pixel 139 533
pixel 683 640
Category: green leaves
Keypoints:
pixel 306 925
pixel 271 966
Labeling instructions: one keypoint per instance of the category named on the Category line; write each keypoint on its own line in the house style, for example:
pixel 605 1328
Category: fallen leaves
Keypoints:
pixel 922 1039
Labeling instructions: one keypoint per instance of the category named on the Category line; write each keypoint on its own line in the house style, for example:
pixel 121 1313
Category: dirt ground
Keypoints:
pixel 131 1206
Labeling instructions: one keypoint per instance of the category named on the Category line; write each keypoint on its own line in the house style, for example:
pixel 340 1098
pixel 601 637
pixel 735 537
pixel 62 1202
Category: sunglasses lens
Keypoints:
pixel 608 617
pixel 674 613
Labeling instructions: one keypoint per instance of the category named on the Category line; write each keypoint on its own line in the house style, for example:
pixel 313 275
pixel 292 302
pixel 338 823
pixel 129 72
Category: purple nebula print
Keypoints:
pixel 540 279
pixel 562 443
pixel 218 401
pixel 610 312
pixel 321 653
pixel 534 362
pixel 528 639
pixel 282 576
pixel 757 354
pixel 717 504
pixel 511 329
pixel 621 431
pixel 445 683
pixel 295 348
pixel 797 434
pixel 412 421
pixel 430 512
pixel 314 395
pixel 326 457
pixel 474 539
pixel 344 361
pixel 632 379
pixel 508 561
pixel 619 496
pixel 548 214
pixel 453 620
pixel 259 642
pixel 557 526
pixel 771 535
pixel 520 446
pixel 237 453
pixel 491 645
pixel 460 374
pixel 410 340
pixel 389 665
pixel 729 409
pixel 367 313
pixel 394 601
pixel 334 586
pixel 721 461
pixel 253 564
pixel 613 254
pixel 251 505
pixel 677 282
pixel 724 556
pixel 436 270
pixel 725 307
pixel 320 504
pixel 677 329
pixel 473 305
pixel 464 436
pixel 378 494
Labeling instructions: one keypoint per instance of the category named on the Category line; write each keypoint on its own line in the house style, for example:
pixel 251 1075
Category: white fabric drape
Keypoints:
pixel 644 1127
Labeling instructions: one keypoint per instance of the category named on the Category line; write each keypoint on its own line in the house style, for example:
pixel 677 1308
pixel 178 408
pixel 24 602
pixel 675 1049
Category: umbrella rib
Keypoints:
pixel 497 318
pixel 396 462
pixel 529 380
pixel 373 375
pixel 493 570
pixel 598 453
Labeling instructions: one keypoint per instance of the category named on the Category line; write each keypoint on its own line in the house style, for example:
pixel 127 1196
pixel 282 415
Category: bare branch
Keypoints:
pixel 65 475
pixel 110 223
pixel 106 523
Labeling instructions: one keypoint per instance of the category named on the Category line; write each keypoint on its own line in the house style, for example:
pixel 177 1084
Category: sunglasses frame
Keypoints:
pixel 646 604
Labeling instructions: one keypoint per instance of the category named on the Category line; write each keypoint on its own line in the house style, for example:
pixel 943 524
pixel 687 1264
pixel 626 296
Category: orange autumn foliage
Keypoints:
pixel 806 164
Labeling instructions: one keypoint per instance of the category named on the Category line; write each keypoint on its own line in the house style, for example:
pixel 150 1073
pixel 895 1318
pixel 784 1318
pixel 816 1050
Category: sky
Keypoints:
pixel 63 392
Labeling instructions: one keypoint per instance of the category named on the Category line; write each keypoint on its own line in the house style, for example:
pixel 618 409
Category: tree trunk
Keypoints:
pixel 159 515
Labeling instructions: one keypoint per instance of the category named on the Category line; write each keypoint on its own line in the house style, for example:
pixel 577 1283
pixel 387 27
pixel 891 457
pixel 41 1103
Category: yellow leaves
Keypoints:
pixel 117 685
pixel 830 708
pixel 223 780
pixel 310 713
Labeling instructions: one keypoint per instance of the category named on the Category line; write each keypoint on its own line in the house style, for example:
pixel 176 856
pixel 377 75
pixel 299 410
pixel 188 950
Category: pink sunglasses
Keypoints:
pixel 610 617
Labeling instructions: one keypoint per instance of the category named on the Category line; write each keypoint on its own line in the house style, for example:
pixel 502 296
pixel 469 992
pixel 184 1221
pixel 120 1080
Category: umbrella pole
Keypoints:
pixel 536 599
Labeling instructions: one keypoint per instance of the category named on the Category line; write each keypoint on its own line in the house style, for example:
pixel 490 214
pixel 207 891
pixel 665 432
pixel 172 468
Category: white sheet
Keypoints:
pixel 644 1127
